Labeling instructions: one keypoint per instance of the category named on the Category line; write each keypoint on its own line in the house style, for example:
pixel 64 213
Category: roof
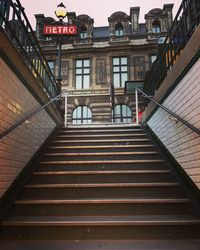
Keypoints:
pixel 104 32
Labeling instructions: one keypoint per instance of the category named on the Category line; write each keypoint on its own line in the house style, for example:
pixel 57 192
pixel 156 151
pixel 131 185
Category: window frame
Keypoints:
pixel 76 119
pixel 119 117
pixel 119 72
pixel 82 74
pixel 119 30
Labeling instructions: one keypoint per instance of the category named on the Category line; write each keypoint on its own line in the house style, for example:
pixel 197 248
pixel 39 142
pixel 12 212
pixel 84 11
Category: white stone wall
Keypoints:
pixel 181 141
pixel 17 148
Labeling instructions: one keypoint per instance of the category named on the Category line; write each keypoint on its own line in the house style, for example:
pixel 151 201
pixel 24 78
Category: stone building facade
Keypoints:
pixel 101 57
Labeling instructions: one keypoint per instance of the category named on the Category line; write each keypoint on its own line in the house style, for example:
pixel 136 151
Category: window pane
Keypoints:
pixel 78 82
pixel 79 71
pixel 124 78
pixel 116 69
pixel 124 60
pixel 86 71
pixel 86 82
pixel 116 80
pixel 117 110
pixel 124 68
pixel 78 63
pixel 86 63
pixel 85 111
pixel 115 61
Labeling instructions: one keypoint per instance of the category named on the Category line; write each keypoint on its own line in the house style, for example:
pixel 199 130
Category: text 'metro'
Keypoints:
pixel 60 30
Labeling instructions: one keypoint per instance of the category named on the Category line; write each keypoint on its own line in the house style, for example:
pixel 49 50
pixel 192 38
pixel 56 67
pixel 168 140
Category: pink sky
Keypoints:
pixel 99 10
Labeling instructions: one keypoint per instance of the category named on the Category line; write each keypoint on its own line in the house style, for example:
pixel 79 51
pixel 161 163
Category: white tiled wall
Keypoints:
pixel 182 142
pixel 17 148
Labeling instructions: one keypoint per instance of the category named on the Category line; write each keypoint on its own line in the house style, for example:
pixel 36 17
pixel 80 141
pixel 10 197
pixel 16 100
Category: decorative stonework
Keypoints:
pixel 101 71
pixel 119 18
pixel 158 22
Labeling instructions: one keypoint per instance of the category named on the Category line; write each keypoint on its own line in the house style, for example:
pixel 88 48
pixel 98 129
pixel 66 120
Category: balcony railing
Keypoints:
pixel 184 24
pixel 14 22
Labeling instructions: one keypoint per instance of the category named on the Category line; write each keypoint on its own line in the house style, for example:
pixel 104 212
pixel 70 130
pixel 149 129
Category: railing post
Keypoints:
pixel 65 118
pixel 136 106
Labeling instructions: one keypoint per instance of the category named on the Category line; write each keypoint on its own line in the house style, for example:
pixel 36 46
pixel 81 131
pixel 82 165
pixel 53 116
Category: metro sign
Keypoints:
pixel 60 30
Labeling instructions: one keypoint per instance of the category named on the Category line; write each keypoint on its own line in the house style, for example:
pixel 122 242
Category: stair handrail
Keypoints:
pixel 169 111
pixel 27 117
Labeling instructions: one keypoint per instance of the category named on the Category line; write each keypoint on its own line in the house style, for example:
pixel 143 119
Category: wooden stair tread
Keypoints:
pixel 123 197
pixel 104 201
pixel 103 185
pixel 102 162
pixel 103 220
pixel 104 135
pixel 100 130
pixel 104 172
pixel 178 244
pixel 101 126
pixel 103 153
pixel 108 140
pixel 102 147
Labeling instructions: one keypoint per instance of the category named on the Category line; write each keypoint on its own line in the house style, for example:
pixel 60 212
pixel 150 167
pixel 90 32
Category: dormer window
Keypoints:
pixel 156 28
pixel 83 33
pixel 119 31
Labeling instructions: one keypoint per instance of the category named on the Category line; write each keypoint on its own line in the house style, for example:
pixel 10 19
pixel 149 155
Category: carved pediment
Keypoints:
pixel 119 15
pixel 155 13
pixel 84 18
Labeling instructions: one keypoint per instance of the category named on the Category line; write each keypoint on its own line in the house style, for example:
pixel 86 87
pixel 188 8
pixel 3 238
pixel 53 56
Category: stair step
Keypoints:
pixel 103 201
pixel 101 136
pixel 102 162
pixel 97 141
pixel 104 126
pixel 83 156
pixel 69 131
pixel 103 154
pixel 105 172
pixel 108 208
pixel 102 190
pixel 103 185
pixel 103 147
pixel 101 132
pixel 113 176
pixel 101 166
pixel 102 221
pixel 103 244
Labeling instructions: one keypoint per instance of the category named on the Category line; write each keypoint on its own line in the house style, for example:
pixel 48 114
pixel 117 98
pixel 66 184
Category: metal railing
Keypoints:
pixel 112 101
pixel 36 111
pixel 15 23
pixel 184 24
pixel 169 112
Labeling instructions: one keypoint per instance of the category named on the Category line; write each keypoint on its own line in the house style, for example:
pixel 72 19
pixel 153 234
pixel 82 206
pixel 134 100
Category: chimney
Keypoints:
pixel 134 16
pixel 168 10
pixel 71 17
pixel 39 25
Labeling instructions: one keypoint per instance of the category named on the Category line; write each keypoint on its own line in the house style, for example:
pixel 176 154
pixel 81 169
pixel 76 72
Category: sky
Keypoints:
pixel 99 10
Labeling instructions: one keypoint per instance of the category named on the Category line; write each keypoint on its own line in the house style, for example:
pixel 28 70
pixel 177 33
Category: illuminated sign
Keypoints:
pixel 60 30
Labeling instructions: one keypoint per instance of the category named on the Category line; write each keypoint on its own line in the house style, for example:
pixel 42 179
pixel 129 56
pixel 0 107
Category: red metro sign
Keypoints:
pixel 60 30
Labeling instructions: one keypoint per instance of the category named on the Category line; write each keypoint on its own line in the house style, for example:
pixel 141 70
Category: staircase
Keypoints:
pixel 103 183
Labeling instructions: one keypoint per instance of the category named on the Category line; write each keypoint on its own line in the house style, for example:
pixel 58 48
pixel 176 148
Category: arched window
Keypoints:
pixel 122 113
pixel 82 114
pixel 119 31
pixel 156 26
pixel 83 32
